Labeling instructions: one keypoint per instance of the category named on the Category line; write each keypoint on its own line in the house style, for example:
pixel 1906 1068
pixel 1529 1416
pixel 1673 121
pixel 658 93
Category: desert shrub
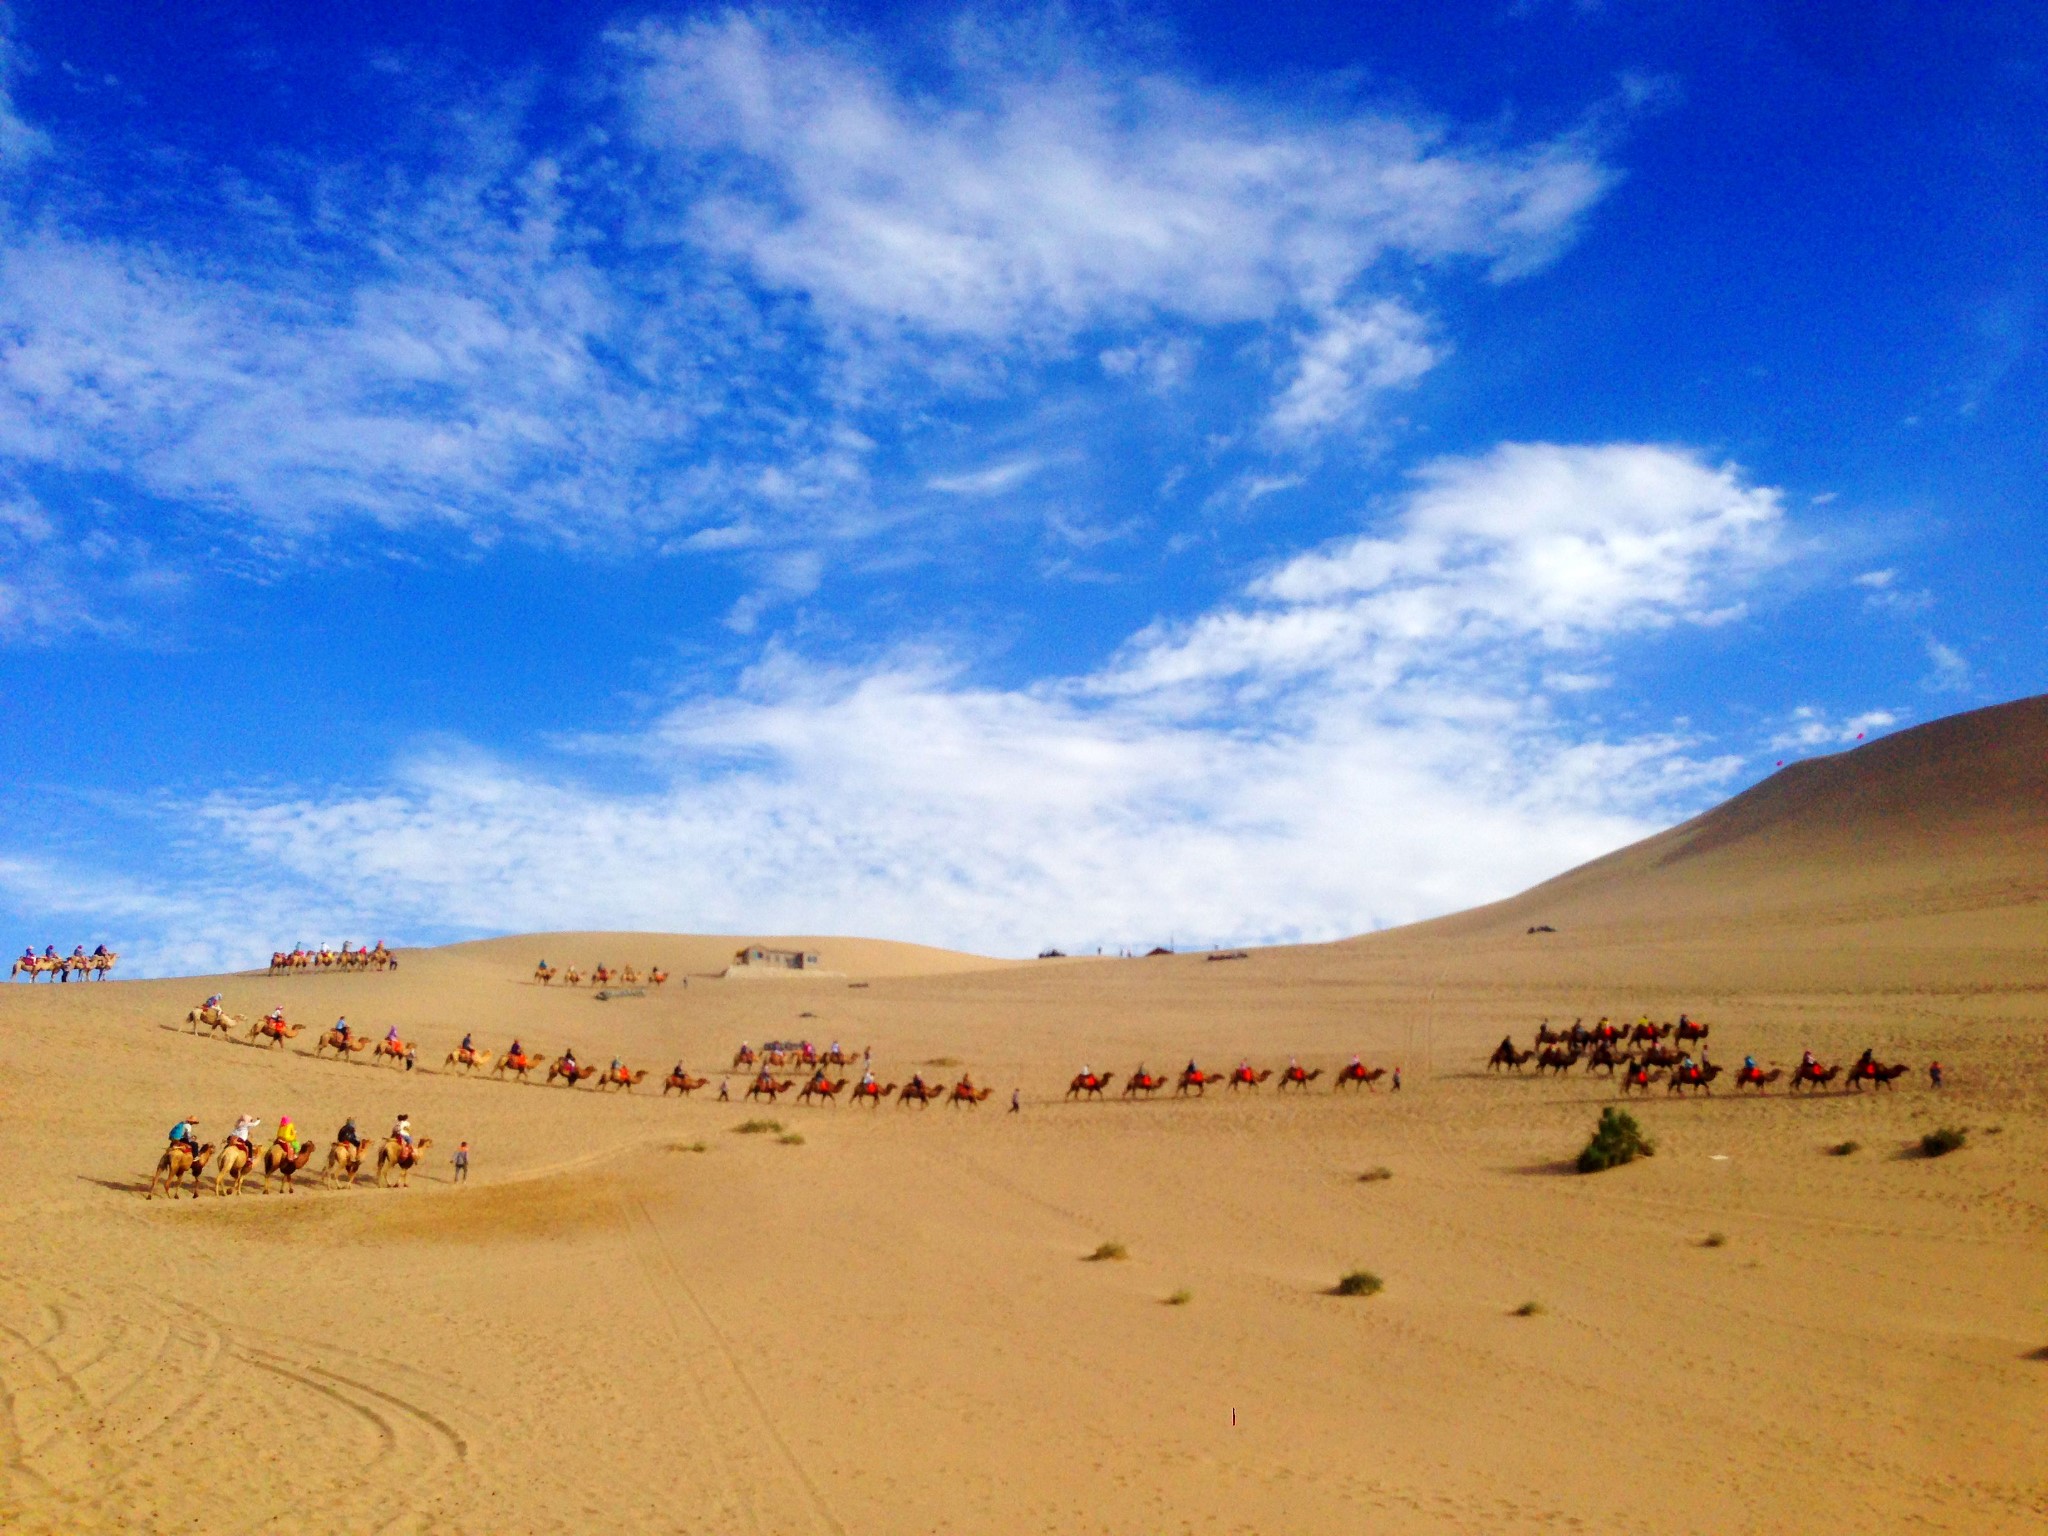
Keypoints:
pixel 943 1061
pixel 1845 1148
pixel 1180 1298
pixel 791 1138
pixel 1939 1143
pixel 1616 1140
pixel 1375 1175
pixel 688 1146
pixel 1108 1251
pixel 1530 1309
pixel 1714 1240
pixel 1360 1282
pixel 757 1127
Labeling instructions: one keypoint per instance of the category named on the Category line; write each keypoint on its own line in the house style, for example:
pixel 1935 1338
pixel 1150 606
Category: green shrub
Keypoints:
pixel 1180 1298
pixel 1375 1175
pixel 1360 1282
pixel 688 1146
pixel 1940 1143
pixel 1616 1140
pixel 791 1138
pixel 1108 1251
pixel 757 1127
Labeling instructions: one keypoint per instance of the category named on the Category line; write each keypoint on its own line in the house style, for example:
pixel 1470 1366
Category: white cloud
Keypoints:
pixel 1369 735
pixel 20 140
pixel 1036 200
pixel 1877 581
pixel 1352 357
pixel 993 480
pixel 1952 672
pixel 1811 726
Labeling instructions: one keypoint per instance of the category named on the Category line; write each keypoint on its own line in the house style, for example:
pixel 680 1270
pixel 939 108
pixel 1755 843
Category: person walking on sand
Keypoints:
pixel 724 1093
pixel 1016 1101
pixel 462 1163
pixel 1397 1079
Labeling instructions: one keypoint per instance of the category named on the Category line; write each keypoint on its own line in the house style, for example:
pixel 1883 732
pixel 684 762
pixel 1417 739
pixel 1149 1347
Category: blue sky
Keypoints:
pixel 1073 476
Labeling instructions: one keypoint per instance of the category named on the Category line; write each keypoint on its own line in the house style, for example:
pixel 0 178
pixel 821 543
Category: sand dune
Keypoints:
pixel 893 1326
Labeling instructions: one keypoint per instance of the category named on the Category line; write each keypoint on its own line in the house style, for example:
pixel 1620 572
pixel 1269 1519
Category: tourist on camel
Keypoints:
pixel 515 1051
pixel 183 1130
pixel 288 1134
pixel 348 1135
pixel 468 1044
pixel 245 1132
pixel 401 1131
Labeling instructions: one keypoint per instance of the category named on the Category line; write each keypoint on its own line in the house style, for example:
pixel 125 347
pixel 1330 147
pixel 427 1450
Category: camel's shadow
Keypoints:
pixel 119 1186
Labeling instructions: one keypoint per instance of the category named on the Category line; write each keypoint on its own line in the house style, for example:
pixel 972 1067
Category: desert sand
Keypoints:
pixel 635 1318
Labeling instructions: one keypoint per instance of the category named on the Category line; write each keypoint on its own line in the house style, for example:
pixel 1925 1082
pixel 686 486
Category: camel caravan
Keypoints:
pixel 290 962
pixel 599 975
pixel 92 967
pixel 184 1161
pixel 1644 1054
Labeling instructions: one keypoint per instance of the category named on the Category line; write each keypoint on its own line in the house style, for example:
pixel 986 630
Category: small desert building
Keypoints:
pixel 779 959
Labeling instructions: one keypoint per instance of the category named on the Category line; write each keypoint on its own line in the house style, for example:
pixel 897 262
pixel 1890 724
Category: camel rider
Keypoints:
pixel 569 1058
pixel 245 1131
pixel 1806 1060
pixel 1864 1062
pixel 99 952
pixel 1749 1063
pixel 348 1135
pixel 182 1131
pixel 391 1035
pixel 867 1078
pixel 341 1028
pixel 49 951
pixel 1507 1044
pixel 515 1051
pixel 78 951
pixel 616 1064
pixel 1356 1064
pixel 401 1131
pixel 468 1045
pixel 288 1134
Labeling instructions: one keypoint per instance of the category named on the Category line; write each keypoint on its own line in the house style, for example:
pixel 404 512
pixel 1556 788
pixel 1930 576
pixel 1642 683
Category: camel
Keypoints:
pixel 820 1087
pixel 1248 1077
pixel 1195 1078
pixel 1141 1081
pixel 772 1087
pixel 1505 1055
pixel 1646 1033
pixel 396 1155
pixel 572 977
pixel 1554 1059
pixel 345 1158
pixel 544 974
pixel 1641 1075
pixel 1086 1085
pixel 236 1159
pixel 180 1160
pixel 97 966
pixel 1701 1077
pixel 837 1058
pixel 1545 1035
pixel 570 1072
pixel 517 1062
pixel 871 1093
pixel 920 1093
pixel 1355 1074
pixel 32 966
pixel 278 1162
pixel 1814 1075
pixel 276 1031
pixel 600 977
pixel 1605 1055
pixel 471 1060
pixel 1689 1032
pixel 657 976
pixel 395 1050
pixel 1662 1056
pixel 964 1092
pixel 622 1077
pixel 1295 1077
pixel 683 1083
pixel 1883 1077
pixel 1757 1078
pixel 214 1019
pixel 629 976
pixel 1605 1033
pixel 743 1057
pixel 342 1045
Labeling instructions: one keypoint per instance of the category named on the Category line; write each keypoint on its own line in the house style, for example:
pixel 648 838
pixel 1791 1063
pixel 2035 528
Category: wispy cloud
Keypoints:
pixel 1370 733
pixel 1810 726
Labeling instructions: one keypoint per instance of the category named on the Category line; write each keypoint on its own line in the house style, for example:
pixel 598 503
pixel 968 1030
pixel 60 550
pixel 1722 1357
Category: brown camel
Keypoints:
pixel 346 1159
pixel 821 1087
pixel 657 976
pixel 395 1050
pixel 397 1159
pixel 1505 1055
pixel 743 1057
pixel 683 1083
pixel 871 1093
pixel 920 1093
pixel 1883 1077
pixel 519 1063
pixel 1295 1077
pixel 1248 1077
pixel 342 1045
pixel 772 1088
pixel 544 974
pixel 570 1072
pixel 1355 1074
pixel 1646 1033
pixel 276 1031
pixel 1545 1035
pixel 1194 1078
pixel 572 977
pixel 1689 1032
pixel 1814 1075
pixel 236 1159
pixel 1701 1077
pixel 1141 1081
pixel 281 1163
pixel 1757 1078
pixel 1556 1059
pixel 180 1160
pixel 624 1077
pixel 1086 1085
pixel 964 1092
pixel 471 1060
pixel 1605 1055
pixel 1639 1076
